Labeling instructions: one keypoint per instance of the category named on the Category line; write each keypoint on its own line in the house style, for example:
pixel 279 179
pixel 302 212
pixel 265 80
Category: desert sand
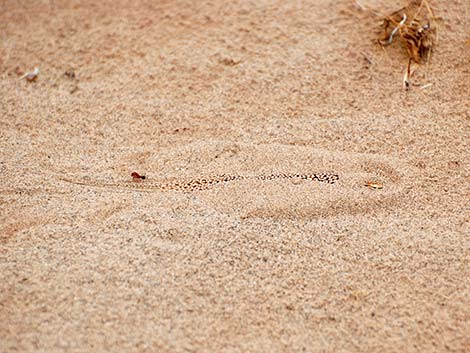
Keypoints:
pixel 183 90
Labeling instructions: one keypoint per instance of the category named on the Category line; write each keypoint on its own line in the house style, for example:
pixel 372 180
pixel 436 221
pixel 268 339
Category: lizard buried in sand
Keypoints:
pixel 199 184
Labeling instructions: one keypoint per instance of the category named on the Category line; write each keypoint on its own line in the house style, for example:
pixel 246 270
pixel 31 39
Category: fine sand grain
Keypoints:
pixel 183 90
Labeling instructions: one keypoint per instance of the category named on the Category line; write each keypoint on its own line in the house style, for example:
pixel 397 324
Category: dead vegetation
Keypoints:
pixel 415 27
pixel 31 76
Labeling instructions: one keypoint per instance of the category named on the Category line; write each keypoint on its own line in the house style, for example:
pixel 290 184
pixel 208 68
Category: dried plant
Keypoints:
pixel 31 76
pixel 415 26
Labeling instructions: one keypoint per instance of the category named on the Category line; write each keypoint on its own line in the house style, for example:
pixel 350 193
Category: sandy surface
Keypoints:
pixel 178 90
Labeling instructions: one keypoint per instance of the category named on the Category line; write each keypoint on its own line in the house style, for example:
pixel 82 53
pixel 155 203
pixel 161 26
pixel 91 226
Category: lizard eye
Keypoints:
pixel 137 175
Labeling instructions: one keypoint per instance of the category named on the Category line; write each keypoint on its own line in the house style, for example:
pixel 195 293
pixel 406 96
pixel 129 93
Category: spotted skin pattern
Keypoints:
pixel 200 184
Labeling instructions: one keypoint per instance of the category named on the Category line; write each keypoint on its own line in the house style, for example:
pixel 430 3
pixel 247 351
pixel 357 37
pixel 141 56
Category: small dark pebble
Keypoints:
pixel 70 73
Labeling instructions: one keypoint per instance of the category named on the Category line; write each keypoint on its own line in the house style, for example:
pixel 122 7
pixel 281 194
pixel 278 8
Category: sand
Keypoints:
pixel 177 90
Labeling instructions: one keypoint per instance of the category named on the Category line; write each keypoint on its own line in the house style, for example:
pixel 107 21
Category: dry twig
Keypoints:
pixel 415 26
pixel 31 76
